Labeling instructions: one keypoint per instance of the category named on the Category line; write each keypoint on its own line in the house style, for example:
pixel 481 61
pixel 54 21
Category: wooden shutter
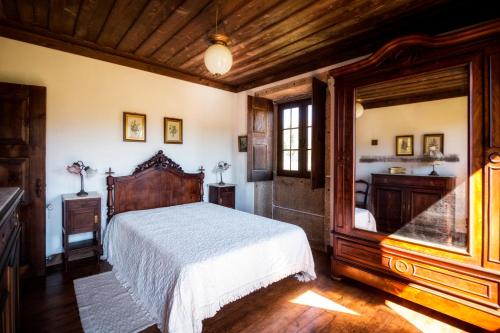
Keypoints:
pixel 318 134
pixel 260 139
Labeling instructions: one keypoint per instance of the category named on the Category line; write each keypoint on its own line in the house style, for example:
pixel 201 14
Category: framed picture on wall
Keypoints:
pixel 172 130
pixel 433 142
pixel 242 143
pixel 404 145
pixel 134 127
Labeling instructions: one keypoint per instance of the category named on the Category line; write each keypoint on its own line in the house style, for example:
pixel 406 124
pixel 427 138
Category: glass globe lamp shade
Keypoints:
pixel 359 109
pixel 218 59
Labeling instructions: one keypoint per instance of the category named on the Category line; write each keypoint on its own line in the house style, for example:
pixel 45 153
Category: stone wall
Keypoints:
pixel 292 200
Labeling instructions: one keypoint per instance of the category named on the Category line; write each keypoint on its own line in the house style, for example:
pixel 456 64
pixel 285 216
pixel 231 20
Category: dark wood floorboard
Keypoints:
pixel 49 305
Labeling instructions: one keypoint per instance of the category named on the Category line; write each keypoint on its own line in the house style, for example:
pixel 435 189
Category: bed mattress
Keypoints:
pixel 183 263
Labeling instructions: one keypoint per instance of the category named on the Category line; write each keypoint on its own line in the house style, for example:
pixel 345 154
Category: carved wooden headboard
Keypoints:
pixel 158 182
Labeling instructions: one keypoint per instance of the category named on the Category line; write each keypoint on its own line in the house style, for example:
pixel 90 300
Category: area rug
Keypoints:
pixel 106 306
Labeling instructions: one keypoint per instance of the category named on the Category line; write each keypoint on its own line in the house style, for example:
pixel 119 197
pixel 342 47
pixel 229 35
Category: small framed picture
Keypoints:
pixel 134 127
pixel 404 145
pixel 172 130
pixel 433 142
pixel 242 143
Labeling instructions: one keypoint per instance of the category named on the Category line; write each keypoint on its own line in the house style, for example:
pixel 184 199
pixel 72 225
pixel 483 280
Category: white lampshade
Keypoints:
pixel 218 59
pixel 359 109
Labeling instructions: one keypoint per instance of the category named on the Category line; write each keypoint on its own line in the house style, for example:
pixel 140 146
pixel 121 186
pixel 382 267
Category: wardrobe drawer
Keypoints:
pixel 362 254
pixel 475 287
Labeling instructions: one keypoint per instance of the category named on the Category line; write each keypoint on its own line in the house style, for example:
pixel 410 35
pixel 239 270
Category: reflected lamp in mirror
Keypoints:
pixel 437 158
pixel 359 109
pixel 221 167
pixel 79 168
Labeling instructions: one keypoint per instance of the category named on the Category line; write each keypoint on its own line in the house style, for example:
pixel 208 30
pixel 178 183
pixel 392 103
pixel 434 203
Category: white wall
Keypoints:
pixel 245 190
pixel 85 101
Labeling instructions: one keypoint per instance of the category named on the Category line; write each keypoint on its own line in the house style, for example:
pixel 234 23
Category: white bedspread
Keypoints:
pixel 183 263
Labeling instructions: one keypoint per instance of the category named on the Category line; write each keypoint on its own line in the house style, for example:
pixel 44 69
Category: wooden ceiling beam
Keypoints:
pixel 196 28
pixel 122 17
pixel 236 21
pixel 170 27
pixel 91 19
pixel 25 10
pixel 10 9
pixel 62 16
pixel 156 12
pixel 44 38
pixel 41 13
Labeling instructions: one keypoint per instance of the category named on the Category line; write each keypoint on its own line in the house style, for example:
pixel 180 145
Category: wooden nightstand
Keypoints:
pixel 222 194
pixel 81 214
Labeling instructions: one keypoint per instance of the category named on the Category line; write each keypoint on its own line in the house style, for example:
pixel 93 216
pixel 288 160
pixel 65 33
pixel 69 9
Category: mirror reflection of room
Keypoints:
pixel 411 157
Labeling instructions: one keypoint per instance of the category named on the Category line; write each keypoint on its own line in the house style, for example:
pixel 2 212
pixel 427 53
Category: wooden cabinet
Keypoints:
pixel 459 274
pixel 10 229
pixel 399 199
pixel 80 215
pixel 223 195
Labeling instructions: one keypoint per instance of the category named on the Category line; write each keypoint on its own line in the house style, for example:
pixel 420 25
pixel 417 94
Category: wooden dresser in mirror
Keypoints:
pixel 418 124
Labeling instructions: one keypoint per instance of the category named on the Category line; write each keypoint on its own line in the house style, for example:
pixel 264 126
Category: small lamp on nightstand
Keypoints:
pixel 79 168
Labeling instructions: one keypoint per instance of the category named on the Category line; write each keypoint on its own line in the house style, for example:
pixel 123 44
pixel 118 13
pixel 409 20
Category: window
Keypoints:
pixel 295 138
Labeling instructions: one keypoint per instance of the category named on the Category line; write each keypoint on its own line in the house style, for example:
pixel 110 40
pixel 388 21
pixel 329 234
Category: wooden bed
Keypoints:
pixel 158 182
pixel 191 257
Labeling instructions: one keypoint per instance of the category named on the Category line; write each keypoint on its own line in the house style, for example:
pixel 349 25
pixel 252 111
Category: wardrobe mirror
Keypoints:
pixel 411 150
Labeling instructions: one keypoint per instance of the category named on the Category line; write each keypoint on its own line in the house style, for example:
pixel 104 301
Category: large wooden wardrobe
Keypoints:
pixel 462 281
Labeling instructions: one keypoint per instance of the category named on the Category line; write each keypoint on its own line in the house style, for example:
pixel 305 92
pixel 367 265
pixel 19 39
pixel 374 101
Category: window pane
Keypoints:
pixel 294 139
pixel 295 117
pixel 309 115
pixel 309 137
pixel 286 160
pixel 286 139
pixel 294 163
pixel 309 160
pixel 286 118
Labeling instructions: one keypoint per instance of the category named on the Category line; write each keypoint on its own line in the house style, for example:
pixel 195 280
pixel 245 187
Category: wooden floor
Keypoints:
pixel 49 305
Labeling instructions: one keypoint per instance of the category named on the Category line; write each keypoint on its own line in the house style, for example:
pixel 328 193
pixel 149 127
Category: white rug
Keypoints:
pixel 106 306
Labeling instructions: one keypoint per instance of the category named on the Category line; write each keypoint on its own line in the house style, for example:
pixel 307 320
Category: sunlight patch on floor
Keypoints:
pixel 420 321
pixel 310 298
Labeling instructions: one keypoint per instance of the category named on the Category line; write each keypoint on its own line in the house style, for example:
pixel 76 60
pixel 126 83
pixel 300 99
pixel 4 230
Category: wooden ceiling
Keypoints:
pixel 270 39
pixel 444 83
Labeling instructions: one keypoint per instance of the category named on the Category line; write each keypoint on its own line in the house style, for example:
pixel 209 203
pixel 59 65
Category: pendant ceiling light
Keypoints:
pixel 218 58
pixel 359 109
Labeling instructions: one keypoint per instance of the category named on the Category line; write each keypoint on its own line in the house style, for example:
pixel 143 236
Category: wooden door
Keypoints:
pixel 22 163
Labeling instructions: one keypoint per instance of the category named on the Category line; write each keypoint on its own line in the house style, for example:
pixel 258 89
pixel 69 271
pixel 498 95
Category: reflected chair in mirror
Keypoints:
pixel 362 188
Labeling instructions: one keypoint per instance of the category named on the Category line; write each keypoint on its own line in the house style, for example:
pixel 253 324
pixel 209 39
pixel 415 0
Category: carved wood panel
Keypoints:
pixel 15 172
pixel 14 109
pixel 492 162
pixel 158 182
